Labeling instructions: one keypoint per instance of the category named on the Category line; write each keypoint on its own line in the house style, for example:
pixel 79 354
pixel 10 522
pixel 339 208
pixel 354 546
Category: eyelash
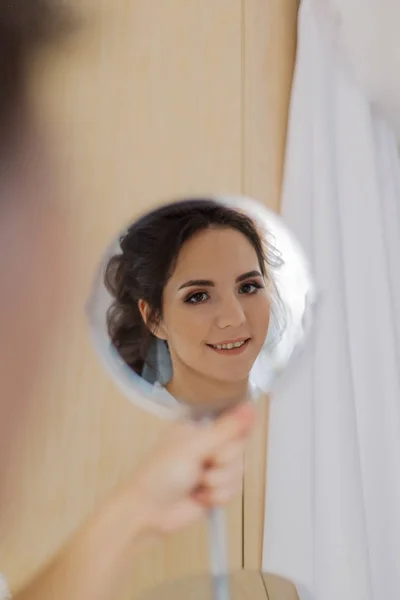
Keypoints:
pixel 255 284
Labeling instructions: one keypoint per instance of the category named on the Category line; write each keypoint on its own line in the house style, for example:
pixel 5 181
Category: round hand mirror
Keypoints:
pixel 199 304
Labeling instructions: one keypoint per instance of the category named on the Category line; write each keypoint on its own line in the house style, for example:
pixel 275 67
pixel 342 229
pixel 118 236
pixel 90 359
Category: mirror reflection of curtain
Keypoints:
pixel 333 496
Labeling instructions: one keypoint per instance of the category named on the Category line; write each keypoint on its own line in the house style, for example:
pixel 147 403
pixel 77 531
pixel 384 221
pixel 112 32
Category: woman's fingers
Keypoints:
pixel 226 477
pixel 228 455
pixel 223 472
pixel 217 496
pixel 232 426
pixel 221 482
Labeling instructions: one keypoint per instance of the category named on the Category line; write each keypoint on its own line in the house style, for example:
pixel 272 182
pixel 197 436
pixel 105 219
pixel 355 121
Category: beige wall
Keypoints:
pixel 152 100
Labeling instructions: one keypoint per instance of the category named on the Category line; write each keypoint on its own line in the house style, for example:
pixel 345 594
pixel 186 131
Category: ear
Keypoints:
pixel 157 330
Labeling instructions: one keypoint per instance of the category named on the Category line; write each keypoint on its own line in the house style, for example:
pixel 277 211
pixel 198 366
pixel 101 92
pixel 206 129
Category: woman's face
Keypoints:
pixel 216 308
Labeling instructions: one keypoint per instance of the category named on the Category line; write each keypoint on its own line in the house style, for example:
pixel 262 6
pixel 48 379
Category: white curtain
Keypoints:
pixel 332 514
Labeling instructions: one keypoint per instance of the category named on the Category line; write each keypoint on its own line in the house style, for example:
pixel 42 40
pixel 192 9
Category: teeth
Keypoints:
pixel 229 346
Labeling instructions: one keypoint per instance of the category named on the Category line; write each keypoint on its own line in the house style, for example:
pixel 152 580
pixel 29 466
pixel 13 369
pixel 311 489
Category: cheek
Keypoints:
pixel 187 327
pixel 259 315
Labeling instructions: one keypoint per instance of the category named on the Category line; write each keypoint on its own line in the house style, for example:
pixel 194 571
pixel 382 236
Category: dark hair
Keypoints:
pixel 25 27
pixel 149 251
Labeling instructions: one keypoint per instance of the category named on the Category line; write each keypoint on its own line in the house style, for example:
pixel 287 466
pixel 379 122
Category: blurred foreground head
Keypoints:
pixel 26 26
pixel 30 236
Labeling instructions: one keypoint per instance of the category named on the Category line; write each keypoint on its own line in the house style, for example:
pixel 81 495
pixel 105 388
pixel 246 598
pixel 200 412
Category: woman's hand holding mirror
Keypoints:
pixel 195 467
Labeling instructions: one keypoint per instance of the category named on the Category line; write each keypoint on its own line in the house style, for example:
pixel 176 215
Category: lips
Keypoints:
pixel 230 346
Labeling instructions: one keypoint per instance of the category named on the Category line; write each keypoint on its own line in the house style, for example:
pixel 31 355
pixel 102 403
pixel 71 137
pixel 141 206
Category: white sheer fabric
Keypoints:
pixel 333 497
pixel 366 36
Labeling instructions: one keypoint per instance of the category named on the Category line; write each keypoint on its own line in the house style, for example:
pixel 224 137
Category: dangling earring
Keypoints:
pixel 164 363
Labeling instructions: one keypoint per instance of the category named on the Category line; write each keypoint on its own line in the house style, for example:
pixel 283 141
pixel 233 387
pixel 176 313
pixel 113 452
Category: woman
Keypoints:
pixel 196 276
pixel 193 468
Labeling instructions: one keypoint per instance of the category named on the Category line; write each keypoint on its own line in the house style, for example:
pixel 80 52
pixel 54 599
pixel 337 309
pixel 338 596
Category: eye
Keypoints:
pixel 251 287
pixel 196 298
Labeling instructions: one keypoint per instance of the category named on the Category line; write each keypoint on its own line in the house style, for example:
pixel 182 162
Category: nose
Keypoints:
pixel 231 313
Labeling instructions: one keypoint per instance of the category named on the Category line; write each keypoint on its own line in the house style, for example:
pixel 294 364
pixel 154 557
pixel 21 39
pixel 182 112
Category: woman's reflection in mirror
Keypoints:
pixel 193 298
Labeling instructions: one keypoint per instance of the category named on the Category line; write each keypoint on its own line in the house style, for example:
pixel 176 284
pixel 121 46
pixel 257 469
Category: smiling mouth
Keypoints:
pixel 230 347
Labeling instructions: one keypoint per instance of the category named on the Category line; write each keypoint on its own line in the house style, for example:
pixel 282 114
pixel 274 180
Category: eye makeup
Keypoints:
pixel 199 297
pixel 195 298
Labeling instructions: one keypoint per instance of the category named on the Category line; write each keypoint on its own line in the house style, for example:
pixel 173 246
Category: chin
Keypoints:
pixel 233 376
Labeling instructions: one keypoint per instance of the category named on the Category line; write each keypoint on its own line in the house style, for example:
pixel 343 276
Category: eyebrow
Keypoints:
pixel 209 283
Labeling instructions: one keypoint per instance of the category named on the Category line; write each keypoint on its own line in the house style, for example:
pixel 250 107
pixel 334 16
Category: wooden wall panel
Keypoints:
pixel 269 42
